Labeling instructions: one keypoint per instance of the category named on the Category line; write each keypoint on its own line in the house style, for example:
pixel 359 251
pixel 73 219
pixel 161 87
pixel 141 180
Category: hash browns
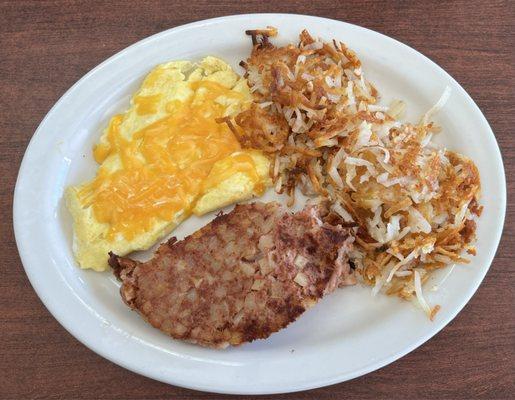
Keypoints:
pixel 318 118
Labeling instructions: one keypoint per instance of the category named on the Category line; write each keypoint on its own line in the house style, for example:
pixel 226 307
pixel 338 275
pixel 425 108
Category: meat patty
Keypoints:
pixel 244 276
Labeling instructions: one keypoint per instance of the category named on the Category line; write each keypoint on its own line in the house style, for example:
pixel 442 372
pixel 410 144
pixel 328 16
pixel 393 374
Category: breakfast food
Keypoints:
pixel 163 159
pixel 315 114
pixel 242 277
pixel 390 203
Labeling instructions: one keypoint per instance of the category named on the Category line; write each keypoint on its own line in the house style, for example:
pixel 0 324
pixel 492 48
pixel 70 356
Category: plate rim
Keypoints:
pixel 199 386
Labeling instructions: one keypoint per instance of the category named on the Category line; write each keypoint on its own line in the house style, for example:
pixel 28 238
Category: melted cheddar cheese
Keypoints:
pixel 161 158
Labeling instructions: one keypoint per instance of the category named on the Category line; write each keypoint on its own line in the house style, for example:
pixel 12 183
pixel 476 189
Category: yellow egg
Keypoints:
pixel 163 159
pixel 233 179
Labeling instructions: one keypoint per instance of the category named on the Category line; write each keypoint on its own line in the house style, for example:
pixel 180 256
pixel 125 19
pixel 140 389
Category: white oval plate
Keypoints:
pixel 349 333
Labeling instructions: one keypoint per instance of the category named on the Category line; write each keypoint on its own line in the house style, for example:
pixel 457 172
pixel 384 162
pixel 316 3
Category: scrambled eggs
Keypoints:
pixel 163 159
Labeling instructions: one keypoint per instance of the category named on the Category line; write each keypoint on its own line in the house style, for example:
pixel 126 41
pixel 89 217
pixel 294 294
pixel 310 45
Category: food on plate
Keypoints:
pixel 163 159
pixel 318 118
pixel 244 276
pixel 198 137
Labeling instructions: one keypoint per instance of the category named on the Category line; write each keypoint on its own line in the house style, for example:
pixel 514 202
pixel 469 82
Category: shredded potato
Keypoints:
pixel 315 114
